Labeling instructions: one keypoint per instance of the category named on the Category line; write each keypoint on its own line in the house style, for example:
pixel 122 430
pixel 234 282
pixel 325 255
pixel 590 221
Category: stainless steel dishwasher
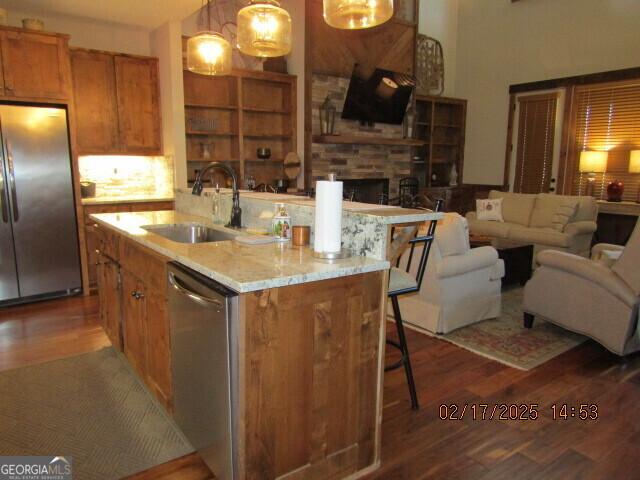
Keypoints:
pixel 203 317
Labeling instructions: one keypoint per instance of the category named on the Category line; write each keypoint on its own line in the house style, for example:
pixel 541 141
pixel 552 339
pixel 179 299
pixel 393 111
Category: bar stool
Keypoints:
pixel 401 282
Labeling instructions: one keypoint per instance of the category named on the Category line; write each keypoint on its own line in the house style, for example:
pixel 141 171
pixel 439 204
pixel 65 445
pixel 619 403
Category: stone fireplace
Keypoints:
pixel 366 190
pixel 361 161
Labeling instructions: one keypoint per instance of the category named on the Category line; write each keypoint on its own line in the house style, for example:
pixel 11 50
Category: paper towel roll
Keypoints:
pixel 328 221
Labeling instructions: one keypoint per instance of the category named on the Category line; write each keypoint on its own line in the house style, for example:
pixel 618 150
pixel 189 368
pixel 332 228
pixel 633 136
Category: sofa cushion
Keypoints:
pixel 540 236
pixel 452 235
pixel 627 265
pixel 516 207
pixel 492 229
pixel 547 205
pixel 587 209
pixel 564 214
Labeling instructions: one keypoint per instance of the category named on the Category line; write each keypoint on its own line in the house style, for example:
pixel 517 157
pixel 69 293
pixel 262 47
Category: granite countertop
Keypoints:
pixel 126 199
pixel 243 268
pixel 386 214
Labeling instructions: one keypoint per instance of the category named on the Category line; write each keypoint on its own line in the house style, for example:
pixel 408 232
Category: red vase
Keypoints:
pixel 614 191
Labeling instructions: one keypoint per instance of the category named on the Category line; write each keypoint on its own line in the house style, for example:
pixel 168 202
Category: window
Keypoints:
pixel 607 118
pixel 534 154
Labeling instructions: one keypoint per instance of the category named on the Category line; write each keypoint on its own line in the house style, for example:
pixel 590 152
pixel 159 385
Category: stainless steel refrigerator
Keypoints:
pixel 38 230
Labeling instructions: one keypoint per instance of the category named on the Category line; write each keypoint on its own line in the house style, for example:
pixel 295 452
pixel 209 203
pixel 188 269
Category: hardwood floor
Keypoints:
pixel 419 445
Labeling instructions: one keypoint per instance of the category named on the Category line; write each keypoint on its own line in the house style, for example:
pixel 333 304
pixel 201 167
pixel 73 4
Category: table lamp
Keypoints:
pixel 591 163
pixel 634 167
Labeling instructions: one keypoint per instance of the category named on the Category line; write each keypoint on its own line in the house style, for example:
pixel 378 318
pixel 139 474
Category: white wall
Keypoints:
pixel 88 33
pixel 439 19
pixel 501 43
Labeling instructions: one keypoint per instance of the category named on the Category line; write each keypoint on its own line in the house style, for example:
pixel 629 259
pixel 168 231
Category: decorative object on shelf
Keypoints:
pixel 263 153
pixel 281 224
pixel 249 182
pixel 198 124
pixel 206 150
pixel 592 162
pixel 264 29
pixel 429 66
pixel 634 167
pixel 33 24
pixel 292 166
pixel 357 14
pixel 453 176
pixel 409 122
pixel 208 52
pixel 327 117
pixel 615 190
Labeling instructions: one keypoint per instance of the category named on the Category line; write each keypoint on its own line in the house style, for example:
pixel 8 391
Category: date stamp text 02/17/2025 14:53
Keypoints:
pixel 515 411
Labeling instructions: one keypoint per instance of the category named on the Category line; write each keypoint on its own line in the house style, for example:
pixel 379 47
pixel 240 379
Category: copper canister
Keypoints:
pixel 300 235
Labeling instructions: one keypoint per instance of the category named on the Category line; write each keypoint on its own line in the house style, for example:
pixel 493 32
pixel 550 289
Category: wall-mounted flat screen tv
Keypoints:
pixel 377 95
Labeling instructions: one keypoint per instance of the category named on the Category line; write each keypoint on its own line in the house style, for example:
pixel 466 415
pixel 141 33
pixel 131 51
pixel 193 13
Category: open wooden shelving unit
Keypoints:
pixel 440 126
pixel 250 110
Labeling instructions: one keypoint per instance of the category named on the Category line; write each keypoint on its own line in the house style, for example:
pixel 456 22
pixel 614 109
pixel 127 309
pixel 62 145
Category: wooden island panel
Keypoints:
pixel 310 376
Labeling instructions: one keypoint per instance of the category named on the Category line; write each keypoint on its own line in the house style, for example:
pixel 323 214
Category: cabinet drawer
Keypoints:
pixel 146 264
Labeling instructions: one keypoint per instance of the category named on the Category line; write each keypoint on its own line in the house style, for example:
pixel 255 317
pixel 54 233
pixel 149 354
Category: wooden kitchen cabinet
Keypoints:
pixel 94 92
pixel 145 318
pixel 117 100
pixel 35 65
pixel 110 294
pixel 134 321
pixel 138 104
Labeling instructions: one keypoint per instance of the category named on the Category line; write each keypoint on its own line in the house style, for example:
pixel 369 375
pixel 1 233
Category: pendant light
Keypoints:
pixel 357 14
pixel 264 29
pixel 208 52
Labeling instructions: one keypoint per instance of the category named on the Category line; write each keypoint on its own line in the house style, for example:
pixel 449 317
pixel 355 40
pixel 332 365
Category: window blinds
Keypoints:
pixel 534 154
pixel 607 118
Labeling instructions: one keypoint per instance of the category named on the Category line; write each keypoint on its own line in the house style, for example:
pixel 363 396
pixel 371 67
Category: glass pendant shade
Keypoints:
pixel 208 53
pixel 357 14
pixel 264 29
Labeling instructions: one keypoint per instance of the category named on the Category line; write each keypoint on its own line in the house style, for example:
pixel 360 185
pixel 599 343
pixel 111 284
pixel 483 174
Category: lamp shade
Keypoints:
pixel 209 53
pixel 357 14
pixel 264 29
pixel 634 161
pixel 593 162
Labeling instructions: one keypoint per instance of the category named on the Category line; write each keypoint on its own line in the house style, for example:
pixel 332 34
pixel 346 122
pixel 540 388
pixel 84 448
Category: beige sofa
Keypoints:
pixel 548 221
pixel 598 297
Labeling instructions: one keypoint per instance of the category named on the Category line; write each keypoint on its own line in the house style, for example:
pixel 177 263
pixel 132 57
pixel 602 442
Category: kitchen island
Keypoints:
pixel 309 340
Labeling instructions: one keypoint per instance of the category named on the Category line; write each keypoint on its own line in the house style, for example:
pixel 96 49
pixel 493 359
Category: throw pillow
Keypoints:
pixel 490 209
pixel 564 214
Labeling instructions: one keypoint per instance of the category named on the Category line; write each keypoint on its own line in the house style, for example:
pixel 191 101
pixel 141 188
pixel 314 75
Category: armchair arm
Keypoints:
pixel 474 259
pixel 589 270
pixel 582 227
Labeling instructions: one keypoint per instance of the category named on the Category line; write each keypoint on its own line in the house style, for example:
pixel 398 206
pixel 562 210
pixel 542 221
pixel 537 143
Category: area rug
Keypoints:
pixel 90 407
pixel 505 340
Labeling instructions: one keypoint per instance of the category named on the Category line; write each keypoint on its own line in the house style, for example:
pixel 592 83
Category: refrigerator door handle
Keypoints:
pixel 12 181
pixel 3 197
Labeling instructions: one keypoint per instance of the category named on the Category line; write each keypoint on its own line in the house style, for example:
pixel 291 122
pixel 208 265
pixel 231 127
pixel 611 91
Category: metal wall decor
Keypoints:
pixel 429 66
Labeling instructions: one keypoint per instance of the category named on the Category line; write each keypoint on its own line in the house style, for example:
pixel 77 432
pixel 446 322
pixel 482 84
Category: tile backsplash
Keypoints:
pixel 120 175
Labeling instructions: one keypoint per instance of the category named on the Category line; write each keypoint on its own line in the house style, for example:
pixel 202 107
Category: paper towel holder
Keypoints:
pixel 343 253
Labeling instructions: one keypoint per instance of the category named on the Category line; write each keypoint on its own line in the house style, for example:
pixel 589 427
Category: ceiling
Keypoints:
pixel 141 13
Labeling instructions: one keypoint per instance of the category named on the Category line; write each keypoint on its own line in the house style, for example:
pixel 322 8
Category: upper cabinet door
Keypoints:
pixel 94 90
pixel 35 65
pixel 138 105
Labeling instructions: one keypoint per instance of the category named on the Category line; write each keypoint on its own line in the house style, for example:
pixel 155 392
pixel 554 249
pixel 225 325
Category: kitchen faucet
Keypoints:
pixel 236 212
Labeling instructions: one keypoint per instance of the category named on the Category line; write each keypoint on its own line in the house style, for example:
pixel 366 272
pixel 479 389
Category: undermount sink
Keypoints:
pixel 190 233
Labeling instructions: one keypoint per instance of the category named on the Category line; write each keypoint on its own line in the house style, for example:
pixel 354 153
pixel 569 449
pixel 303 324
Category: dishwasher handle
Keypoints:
pixel 204 301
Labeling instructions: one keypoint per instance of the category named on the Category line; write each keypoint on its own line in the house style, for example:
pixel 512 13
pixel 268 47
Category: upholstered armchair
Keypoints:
pixel 461 285
pixel 598 297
